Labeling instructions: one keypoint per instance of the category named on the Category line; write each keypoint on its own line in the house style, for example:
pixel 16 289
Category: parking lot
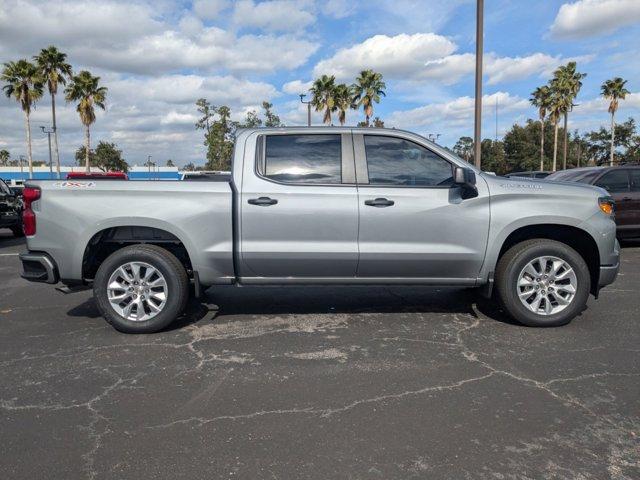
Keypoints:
pixel 290 383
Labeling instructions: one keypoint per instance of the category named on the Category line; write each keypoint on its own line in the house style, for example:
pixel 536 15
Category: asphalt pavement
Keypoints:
pixel 318 383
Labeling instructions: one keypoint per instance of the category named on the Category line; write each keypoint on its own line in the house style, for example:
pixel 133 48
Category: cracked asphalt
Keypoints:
pixel 312 383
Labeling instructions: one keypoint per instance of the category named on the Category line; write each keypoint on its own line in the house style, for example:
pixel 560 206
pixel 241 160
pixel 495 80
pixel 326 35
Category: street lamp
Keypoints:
pixel 433 137
pixel 308 104
pixel 49 132
pixel 477 130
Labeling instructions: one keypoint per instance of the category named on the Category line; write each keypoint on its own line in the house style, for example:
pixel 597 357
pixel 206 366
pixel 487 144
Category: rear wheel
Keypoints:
pixel 543 283
pixel 141 289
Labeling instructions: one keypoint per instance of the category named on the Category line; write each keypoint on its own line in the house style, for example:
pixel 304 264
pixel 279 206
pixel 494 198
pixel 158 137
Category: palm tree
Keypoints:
pixel 367 90
pixel 343 101
pixel 24 84
pixel 556 110
pixel 84 88
pixel 567 82
pixel 541 98
pixel 4 157
pixel 323 91
pixel 54 70
pixel 613 90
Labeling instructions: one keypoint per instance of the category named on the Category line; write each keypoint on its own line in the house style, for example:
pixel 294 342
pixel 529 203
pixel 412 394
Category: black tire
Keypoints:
pixel 516 258
pixel 17 231
pixel 159 258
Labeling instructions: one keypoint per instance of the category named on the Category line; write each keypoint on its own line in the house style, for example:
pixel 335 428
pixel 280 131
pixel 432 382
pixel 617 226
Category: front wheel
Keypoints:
pixel 141 288
pixel 543 283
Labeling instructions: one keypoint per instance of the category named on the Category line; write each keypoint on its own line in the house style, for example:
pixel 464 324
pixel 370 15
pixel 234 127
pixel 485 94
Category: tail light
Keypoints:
pixel 29 195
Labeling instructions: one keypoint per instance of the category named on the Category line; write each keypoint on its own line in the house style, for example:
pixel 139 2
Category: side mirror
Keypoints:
pixel 466 179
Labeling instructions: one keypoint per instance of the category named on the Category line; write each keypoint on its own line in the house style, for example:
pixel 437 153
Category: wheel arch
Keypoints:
pixel 111 239
pixel 578 239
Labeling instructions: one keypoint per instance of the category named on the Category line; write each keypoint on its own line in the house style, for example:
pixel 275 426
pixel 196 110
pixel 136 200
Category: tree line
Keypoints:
pixel 328 97
pixel 25 81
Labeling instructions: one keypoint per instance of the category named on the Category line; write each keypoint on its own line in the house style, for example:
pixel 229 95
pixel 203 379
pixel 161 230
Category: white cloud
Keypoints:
pixel 274 15
pixel 296 87
pixel 586 18
pixel 600 105
pixel 209 9
pixel 392 56
pixel 128 38
pixel 339 8
pixel 427 56
pixel 507 69
pixel 454 113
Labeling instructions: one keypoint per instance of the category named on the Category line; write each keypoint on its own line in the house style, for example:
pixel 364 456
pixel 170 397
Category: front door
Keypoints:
pixel 299 207
pixel 414 223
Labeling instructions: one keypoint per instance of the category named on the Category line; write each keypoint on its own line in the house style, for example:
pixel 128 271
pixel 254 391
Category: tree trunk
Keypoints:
pixel 87 146
pixel 555 146
pixel 613 132
pixel 29 156
pixel 55 133
pixel 564 149
pixel 541 145
pixel 367 120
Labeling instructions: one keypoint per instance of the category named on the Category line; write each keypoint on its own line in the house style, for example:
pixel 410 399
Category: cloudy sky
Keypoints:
pixel 158 57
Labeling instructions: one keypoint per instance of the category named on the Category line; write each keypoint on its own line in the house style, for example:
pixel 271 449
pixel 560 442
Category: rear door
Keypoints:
pixel 616 182
pixel 299 207
pixel 414 223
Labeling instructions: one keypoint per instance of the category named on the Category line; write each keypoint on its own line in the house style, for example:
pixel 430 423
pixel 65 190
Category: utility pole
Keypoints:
pixel 308 104
pixel 477 130
pixel 49 132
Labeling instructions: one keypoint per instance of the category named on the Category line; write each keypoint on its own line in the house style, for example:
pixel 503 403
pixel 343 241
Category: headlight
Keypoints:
pixel 607 205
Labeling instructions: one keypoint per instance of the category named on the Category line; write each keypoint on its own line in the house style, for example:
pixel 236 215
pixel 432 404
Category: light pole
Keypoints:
pixel 149 165
pixel 477 130
pixel 49 132
pixel 308 104
pixel 433 137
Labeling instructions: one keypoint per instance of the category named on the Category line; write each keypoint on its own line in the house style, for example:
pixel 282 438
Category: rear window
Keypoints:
pixel 303 159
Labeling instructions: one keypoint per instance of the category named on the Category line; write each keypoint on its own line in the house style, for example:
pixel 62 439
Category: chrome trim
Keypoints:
pixel 357 281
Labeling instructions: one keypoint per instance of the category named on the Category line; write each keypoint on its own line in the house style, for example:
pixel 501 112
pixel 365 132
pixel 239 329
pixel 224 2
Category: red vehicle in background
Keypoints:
pixel 97 176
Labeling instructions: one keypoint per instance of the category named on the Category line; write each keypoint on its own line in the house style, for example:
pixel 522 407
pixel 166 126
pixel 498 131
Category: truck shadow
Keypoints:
pixel 340 300
pixel 219 302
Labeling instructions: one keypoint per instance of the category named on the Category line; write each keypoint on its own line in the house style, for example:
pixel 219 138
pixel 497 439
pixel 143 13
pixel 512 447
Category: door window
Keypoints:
pixel 614 181
pixel 635 180
pixel 303 159
pixel 395 161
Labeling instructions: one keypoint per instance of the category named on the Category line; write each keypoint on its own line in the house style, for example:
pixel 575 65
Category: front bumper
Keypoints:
pixel 39 267
pixel 608 273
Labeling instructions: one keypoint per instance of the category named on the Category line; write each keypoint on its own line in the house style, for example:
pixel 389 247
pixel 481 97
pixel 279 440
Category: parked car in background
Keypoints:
pixel 622 183
pixel 324 206
pixel 97 176
pixel 10 210
pixel 530 174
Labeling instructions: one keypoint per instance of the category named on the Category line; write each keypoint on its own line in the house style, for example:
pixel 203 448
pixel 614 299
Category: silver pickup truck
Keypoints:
pixel 327 205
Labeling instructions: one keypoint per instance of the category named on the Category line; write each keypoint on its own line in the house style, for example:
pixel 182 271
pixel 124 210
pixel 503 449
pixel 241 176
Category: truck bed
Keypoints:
pixel 70 213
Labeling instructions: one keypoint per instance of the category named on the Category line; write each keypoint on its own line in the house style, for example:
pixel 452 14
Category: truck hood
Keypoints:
pixel 542 187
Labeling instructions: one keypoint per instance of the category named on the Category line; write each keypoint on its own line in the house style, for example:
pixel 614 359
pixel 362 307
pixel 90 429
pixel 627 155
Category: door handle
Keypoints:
pixel 379 202
pixel 263 201
pixel 626 199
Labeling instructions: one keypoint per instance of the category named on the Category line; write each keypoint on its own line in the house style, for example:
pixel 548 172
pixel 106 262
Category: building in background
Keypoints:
pixel 135 173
